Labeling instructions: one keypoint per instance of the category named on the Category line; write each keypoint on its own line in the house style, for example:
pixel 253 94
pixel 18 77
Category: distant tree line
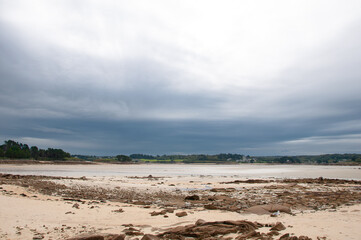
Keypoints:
pixel 313 159
pixel 193 158
pixel 15 150
pixel 141 156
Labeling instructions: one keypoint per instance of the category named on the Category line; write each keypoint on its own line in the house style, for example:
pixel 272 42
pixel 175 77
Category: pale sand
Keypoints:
pixel 23 217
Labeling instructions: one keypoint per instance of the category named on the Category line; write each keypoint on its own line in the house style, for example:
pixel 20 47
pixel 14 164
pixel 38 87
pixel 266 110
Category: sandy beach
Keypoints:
pixel 170 207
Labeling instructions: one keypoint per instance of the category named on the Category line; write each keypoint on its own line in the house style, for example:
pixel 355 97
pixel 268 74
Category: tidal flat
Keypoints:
pixel 179 202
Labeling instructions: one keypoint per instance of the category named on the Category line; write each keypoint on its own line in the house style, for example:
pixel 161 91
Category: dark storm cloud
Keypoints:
pixel 163 101
pixel 45 86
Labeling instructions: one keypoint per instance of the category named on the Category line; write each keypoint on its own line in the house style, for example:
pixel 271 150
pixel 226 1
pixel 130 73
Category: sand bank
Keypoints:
pixel 35 207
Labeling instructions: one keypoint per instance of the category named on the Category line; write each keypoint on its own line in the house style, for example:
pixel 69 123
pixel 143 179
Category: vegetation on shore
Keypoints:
pixel 14 150
pixel 346 159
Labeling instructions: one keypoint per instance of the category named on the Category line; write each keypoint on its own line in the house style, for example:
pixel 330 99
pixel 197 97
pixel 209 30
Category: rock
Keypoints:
pixel 117 237
pixel 278 227
pixel 163 212
pixel 222 190
pixel 154 213
pixel 200 222
pixel 210 230
pixel 150 237
pixel 268 209
pixel 210 207
pixel 192 198
pixel 170 210
pixel 87 237
pixel 72 199
pixel 120 210
pixel 38 237
pixel 284 236
pixel 141 203
pixel 181 214
pixel 132 232
pixel 99 237
pixel 273 233
pixel 252 234
pixel 304 238
pixel 76 206
pixel 287 237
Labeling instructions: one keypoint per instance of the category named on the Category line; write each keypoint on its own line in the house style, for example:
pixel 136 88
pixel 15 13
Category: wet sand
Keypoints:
pixel 40 207
pixel 175 170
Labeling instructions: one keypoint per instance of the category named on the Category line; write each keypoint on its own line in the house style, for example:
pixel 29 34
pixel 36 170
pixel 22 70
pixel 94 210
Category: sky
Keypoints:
pixel 181 77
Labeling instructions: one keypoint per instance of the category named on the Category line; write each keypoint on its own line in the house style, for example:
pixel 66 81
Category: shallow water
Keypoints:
pixel 242 171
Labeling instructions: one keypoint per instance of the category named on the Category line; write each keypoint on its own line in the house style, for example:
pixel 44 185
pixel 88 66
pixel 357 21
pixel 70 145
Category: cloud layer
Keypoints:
pixel 115 77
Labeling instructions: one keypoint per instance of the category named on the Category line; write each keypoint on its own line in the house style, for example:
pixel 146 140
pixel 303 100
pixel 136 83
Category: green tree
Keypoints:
pixel 34 152
pixel 123 158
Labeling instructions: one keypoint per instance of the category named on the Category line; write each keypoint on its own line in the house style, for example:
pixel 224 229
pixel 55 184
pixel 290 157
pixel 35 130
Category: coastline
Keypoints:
pixel 83 162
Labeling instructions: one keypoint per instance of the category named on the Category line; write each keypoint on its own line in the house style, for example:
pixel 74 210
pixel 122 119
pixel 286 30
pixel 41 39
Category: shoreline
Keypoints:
pixel 70 162
pixel 181 170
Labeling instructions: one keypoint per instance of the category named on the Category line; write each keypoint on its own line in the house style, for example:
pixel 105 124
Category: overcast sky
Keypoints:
pixel 164 77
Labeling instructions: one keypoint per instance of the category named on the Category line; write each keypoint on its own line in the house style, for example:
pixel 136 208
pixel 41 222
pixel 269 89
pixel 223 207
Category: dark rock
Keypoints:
pixel 99 237
pixel 150 237
pixel 192 198
pixel 210 230
pixel 87 237
pixel 252 234
pixel 284 236
pixel 117 237
pixel 200 222
pixel 181 214
pixel 170 210
pixel 132 232
pixel 154 213
pixel 288 237
pixel 210 207
pixel 273 233
pixel 141 203
pixel 278 227
pixel 120 210
pixel 72 199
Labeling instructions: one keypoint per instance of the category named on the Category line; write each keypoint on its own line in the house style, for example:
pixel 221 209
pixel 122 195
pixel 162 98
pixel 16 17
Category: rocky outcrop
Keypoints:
pixel 98 237
pixel 202 230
